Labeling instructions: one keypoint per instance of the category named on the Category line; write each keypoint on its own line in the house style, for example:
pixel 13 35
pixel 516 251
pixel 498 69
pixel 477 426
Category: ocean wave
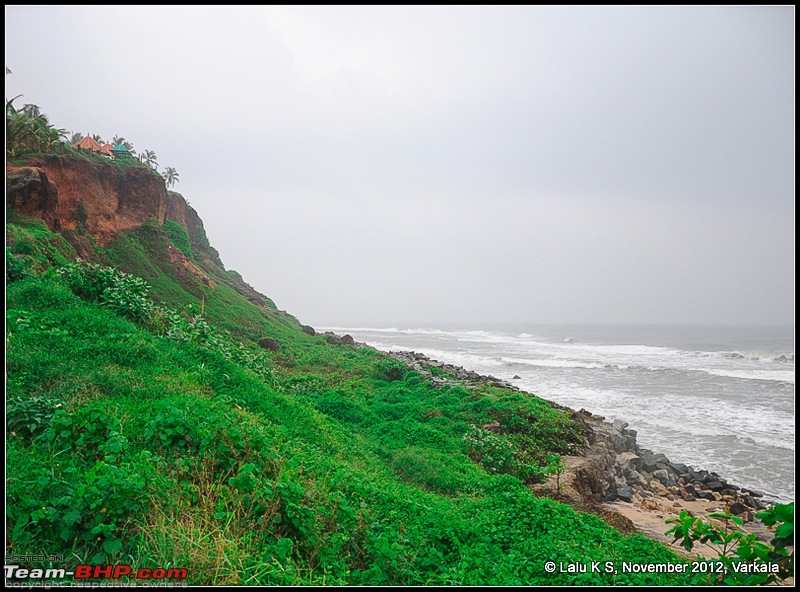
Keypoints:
pixel 550 363
pixel 359 329
pixel 776 375
pixel 785 357
pixel 699 429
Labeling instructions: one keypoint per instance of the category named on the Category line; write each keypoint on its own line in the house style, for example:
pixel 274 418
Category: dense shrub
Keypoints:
pixel 121 292
pixel 389 370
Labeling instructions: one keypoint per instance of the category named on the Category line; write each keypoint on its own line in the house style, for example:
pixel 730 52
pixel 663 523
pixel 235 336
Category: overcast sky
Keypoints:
pixel 384 166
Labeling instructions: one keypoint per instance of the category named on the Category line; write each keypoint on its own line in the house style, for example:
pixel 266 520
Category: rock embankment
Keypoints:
pixel 613 466
pixel 616 468
pixel 441 374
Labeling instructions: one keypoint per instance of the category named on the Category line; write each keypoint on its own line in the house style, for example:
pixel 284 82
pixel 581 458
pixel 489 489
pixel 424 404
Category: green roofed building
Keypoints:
pixel 120 152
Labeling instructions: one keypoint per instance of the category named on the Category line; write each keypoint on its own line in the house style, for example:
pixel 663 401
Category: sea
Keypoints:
pixel 716 398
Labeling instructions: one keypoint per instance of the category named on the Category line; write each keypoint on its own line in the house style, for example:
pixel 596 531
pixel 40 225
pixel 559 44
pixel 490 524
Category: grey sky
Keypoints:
pixel 472 165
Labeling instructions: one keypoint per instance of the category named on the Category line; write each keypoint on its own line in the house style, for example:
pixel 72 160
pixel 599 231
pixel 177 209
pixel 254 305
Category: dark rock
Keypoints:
pixel 680 469
pixel 347 340
pixel 736 508
pixel 333 340
pixel 664 476
pixel 625 493
pixel 715 485
pixel 690 490
pixel 749 501
pixel 516 377
pixel 653 462
pixel 269 344
pixel 701 476
pixel 308 330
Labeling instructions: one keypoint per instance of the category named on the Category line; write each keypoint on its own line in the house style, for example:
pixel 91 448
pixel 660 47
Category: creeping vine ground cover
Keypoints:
pixel 142 431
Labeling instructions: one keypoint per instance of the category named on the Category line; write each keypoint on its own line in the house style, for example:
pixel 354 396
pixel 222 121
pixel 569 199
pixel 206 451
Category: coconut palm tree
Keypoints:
pixel 26 132
pixel 170 176
pixel 32 110
pixel 76 137
pixel 150 159
pixel 118 140
pixel 98 139
pixel 129 146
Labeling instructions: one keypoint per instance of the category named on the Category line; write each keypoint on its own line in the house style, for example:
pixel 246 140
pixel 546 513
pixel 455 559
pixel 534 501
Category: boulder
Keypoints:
pixel 749 501
pixel 681 469
pixel 624 459
pixel 652 462
pixel 347 340
pixel 747 516
pixel 308 330
pixel 625 493
pixel 269 344
pixel 737 508
pixel 662 475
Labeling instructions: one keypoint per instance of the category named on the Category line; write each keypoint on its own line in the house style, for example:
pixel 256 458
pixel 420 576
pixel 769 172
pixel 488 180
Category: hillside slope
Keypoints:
pixel 164 414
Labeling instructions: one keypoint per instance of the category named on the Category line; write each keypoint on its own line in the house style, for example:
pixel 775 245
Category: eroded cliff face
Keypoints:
pixel 104 198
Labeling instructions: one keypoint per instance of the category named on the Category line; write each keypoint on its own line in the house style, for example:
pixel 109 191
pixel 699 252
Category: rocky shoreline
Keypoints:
pixel 613 467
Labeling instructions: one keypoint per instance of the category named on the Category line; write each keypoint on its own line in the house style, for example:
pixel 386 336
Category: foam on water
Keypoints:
pixel 777 375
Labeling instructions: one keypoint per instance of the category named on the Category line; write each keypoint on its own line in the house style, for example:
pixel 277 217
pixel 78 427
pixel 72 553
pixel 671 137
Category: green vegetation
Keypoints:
pixel 736 548
pixel 179 237
pixel 145 425
pixel 138 430
pixel 28 131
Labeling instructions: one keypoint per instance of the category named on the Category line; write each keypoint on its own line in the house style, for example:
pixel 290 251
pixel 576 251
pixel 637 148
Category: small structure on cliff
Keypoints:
pixel 120 152
pixel 91 145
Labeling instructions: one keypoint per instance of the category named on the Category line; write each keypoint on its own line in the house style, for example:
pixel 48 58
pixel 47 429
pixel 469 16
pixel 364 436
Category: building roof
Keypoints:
pixel 106 149
pixel 120 149
pixel 87 143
